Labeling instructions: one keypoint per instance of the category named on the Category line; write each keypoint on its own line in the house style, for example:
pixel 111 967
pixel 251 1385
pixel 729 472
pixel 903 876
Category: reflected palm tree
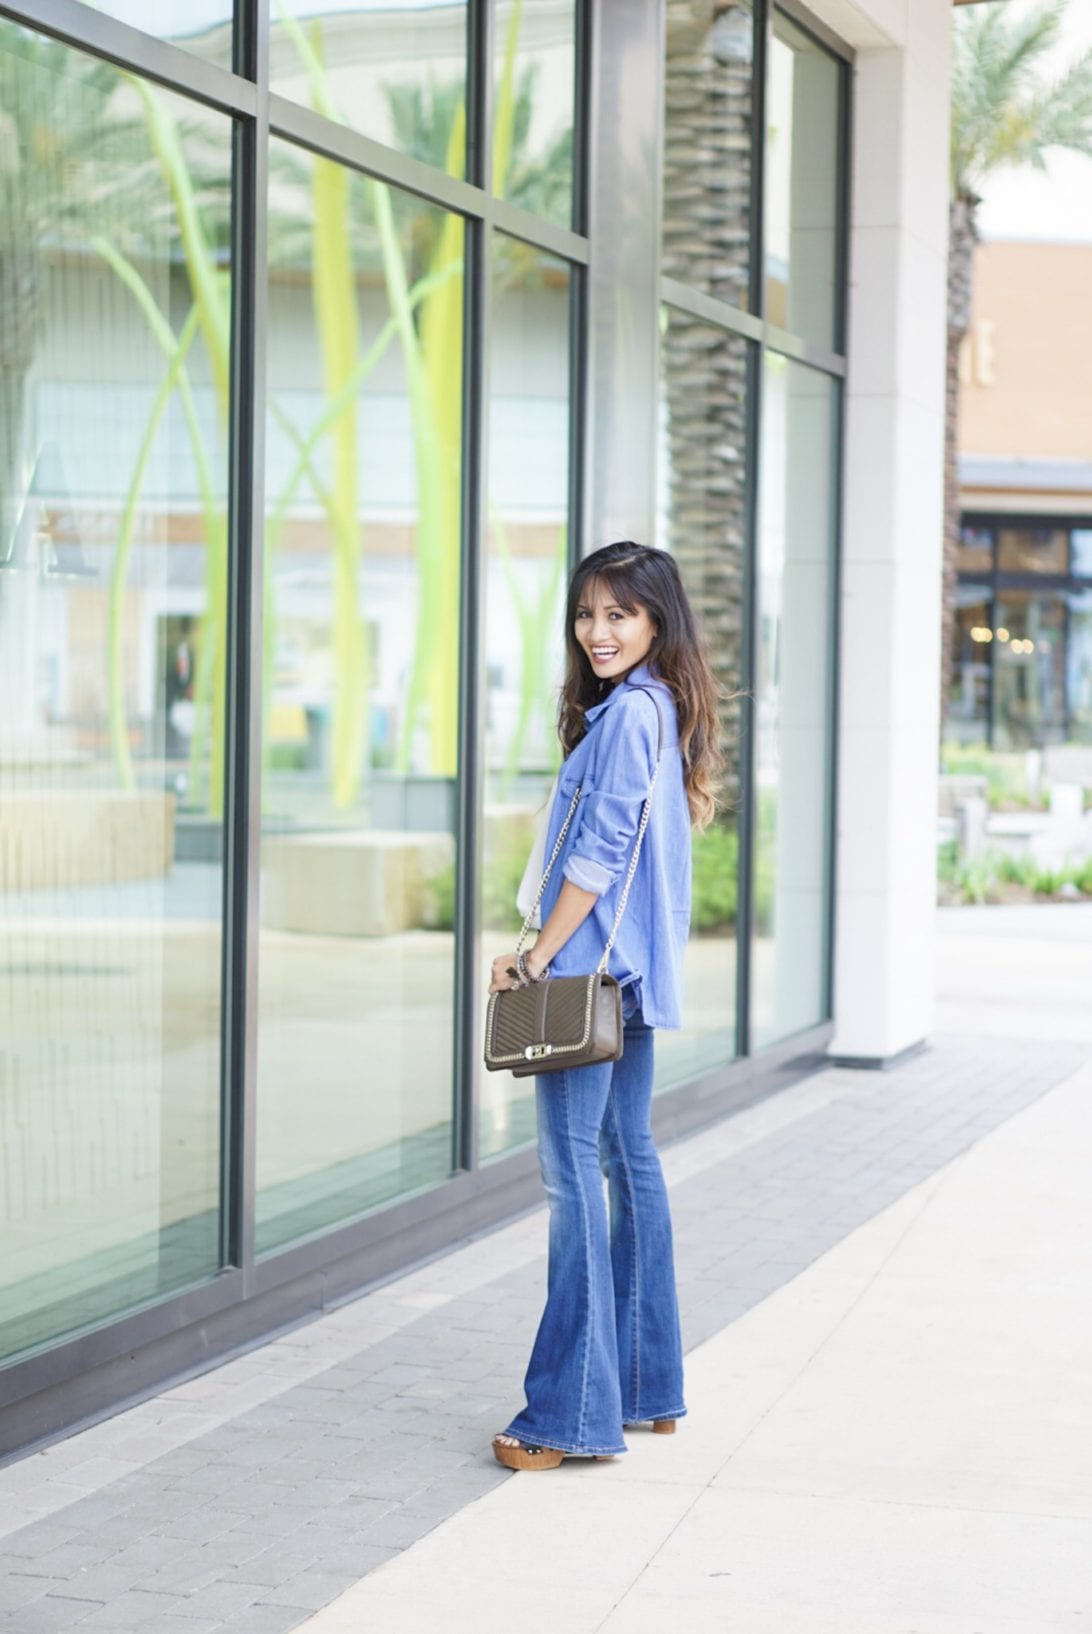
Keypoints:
pixel 706 245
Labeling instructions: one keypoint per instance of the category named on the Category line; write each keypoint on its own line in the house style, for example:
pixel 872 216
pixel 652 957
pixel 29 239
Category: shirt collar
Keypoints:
pixel 635 677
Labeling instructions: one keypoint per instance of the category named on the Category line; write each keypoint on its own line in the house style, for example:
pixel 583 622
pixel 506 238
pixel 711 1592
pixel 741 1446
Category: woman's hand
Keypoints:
pixel 504 968
pixel 504 975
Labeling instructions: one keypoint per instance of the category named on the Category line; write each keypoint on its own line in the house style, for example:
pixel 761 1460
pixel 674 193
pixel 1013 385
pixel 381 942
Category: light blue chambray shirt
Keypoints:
pixel 613 764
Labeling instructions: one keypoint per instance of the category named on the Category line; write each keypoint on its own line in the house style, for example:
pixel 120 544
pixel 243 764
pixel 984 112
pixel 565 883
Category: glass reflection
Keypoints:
pixel 201 26
pixel 395 70
pixel 702 506
pixel 533 96
pixel 526 573
pixel 361 687
pixel 708 146
pixel 803 155
pixel 1080 540
pixel 1078 667
pixel 1028 653
pixel 792 698
pixel 968 718
pixel 114 371
pixel 1032 550
pixel 974 553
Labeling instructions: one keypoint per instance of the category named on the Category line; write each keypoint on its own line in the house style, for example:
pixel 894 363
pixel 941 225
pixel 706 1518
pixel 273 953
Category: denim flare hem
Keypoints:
pixel 609 1337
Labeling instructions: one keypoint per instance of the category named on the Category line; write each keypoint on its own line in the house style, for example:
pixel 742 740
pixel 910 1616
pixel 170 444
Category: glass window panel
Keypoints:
pixel 1032 550
pixel 533 106
pixel 974 553
pixel 702 521
pixel 360 722
pixel 803 159
pixel 1080 541
pixel 708 147
pixel 395 70
pixel 968 719
pixel 201 26
pixel 792 698
pixel 114 374
pixel 1029 670
pixel 1078 667
pixel 525 581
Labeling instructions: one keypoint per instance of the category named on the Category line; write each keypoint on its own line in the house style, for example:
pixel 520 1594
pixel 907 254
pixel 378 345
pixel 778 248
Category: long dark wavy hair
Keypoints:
pixel 637 576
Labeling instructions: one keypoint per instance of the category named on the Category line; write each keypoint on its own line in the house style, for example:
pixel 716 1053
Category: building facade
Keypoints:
pixel 1022 656
pixel 331 335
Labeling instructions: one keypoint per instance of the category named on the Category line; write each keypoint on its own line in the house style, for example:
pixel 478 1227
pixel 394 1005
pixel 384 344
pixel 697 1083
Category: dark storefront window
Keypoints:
pixel 975 552
pixel 969 692
pixel 1078 666
pixel 1080 552
pixel 1021 674
pixel 1029 670
pixel 1032 550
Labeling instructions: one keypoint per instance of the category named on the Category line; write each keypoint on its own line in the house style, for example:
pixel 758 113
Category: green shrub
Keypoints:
pixel 501 876
pixel 1019 870
pixel 715 889
pixel 1049 881
pixel 976 879
pixel 1005 774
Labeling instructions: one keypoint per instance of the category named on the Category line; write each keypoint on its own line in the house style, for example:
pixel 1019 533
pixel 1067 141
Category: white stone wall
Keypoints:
pixel 892 523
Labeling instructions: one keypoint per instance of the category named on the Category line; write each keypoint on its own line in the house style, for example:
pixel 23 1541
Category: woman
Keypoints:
pixel 638 694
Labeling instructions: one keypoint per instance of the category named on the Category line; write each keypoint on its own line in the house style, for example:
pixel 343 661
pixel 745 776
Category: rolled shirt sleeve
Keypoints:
pixel 622 775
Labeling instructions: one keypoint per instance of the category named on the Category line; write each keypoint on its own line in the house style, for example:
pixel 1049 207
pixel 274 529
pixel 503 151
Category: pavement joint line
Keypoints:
pixel 360 1440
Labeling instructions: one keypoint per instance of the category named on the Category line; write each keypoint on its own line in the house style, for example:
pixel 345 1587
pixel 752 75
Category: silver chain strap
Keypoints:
pixel 645 814
pixel 602 966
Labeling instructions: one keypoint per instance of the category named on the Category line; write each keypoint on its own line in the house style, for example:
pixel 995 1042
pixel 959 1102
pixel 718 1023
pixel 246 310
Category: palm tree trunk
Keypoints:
pixel 961 242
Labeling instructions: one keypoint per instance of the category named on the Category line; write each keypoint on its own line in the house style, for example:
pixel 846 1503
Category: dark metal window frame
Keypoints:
pixel 88 1373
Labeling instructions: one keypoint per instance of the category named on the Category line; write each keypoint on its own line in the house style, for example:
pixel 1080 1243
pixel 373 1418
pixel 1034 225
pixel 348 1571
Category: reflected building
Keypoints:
pixel 331 335
pixel 1021 667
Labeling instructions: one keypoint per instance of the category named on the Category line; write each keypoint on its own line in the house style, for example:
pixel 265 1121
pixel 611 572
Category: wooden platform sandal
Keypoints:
pixel 660 1426
pixel 527 1456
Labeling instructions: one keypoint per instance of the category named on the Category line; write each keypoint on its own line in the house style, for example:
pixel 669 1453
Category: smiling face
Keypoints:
pixel 615 639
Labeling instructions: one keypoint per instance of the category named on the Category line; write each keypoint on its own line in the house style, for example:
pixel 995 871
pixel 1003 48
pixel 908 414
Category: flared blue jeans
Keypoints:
pixel 608 1350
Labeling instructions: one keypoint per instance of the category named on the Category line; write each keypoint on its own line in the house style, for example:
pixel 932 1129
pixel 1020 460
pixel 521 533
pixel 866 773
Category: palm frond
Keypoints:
pixel 1003 111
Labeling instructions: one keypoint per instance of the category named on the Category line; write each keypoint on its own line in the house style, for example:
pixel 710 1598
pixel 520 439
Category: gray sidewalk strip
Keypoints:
pixel 253 1524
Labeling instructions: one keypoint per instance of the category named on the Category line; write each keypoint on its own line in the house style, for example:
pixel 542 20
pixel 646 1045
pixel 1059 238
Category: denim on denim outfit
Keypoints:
pixel 608 1350
pixel 613 764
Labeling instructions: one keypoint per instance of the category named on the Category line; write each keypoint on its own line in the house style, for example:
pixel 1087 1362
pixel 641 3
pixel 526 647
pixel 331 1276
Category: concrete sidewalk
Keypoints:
pixel 888 1342
pixel 895 1442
